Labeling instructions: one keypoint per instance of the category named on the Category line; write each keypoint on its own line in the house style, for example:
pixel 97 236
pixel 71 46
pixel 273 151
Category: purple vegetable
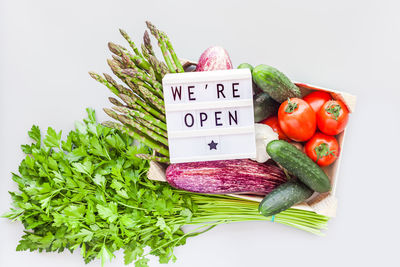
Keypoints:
pixel 226 176
pixel 214 58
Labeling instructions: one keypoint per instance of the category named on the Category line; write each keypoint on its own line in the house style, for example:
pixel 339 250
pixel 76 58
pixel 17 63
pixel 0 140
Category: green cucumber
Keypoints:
pixel 246 66
pixel 275 83
pixel 301 166
pixel 283 197
pixel 264 106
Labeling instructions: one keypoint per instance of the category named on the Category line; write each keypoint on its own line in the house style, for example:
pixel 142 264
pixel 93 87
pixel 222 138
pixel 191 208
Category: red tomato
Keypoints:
pixel 322 149
pixel 316 99
pixel 297 119
pixel 274 124
pixel 332 117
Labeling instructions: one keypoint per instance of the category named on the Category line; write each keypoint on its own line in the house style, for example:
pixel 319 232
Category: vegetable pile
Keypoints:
pixel 299 120
pixel 314 120
pixel 142 113
pixel 90 192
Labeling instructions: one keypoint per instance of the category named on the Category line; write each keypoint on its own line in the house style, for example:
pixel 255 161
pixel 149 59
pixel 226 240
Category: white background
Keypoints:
pixel 47 47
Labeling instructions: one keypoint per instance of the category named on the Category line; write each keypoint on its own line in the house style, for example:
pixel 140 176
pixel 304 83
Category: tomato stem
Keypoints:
pixel 323 150
pixel 334 110
pixel 291 106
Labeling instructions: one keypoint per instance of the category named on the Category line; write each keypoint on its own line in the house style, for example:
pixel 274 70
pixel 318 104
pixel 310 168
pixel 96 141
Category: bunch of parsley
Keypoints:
pixel 90 192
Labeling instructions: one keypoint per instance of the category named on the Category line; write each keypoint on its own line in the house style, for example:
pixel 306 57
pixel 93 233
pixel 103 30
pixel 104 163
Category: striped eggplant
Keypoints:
pixel 242 176
pixel 214 58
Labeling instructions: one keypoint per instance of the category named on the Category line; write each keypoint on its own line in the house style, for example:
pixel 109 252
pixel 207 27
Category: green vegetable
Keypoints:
pixel 264 106
pixel 147 44
pixel 246 66
pixel 283 197
pixel 301 166
pixel 142 73
pixel 90 192
pixel 275 83
pixel 165 46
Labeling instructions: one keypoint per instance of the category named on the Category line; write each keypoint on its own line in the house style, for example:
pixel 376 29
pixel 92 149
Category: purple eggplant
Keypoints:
pixel 242 176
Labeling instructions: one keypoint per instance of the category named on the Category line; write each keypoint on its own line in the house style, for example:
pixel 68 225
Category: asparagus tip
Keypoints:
pixel 110 113
pixel 146 37
pixel 114 48
pixel 94 75
pixel 120 109
pixel 123 32
pixel 129 72
pixel 108 78
pixel 125 98
pixel 111 124
pixel 115 102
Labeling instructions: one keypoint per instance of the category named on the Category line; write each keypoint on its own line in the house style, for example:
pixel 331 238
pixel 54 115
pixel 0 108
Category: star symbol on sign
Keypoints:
pixel 213 145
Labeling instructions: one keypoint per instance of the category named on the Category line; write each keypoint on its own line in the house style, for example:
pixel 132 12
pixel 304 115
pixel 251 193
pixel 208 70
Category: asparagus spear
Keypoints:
pixel 116 48
pixel 127 61
pixel 120 50
pixel 116 69
pixel 118 72
pixel 145 91
pixel 153 158
pixel 164 68
pixel 135 84
pixel 119 61
pixel 109 82
pixel 141 62
pixel 155 87
pixel 120 88
pixel 156 67
pixel 144 77
pixel 158 103
pixel 129 64
pixel 130 101
pixel 154 145
pixel 150 75
pixel 141 115
pixel 147 43
pixel 141 106
pixel 151 126
pixel 172 52
pixel 161 65
pixel 153 70
pixel 162 46
pixel 165 44
pixel 154 135
pixel 145 53
pixel 124 93
pixel 115 102
pixel 100 79
pixel 146 123
pixel 131 43
pixel 128 121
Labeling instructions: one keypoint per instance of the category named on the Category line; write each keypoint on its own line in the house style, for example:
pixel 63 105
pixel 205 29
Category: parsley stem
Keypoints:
pixel 132 207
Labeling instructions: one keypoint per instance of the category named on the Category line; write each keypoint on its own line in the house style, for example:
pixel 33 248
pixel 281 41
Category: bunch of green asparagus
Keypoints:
pixel 141 113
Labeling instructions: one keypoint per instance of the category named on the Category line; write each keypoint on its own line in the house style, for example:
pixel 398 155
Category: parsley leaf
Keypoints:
pixel 91 192
pixel 52 138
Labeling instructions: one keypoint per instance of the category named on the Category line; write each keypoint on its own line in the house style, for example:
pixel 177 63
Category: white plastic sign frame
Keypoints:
pixel 210 115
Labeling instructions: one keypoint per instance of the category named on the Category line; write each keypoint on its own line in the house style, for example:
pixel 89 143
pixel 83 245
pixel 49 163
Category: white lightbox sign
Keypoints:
pixel 209 115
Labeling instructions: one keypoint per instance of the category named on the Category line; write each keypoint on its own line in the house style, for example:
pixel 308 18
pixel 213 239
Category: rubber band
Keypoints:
pixel 272 218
